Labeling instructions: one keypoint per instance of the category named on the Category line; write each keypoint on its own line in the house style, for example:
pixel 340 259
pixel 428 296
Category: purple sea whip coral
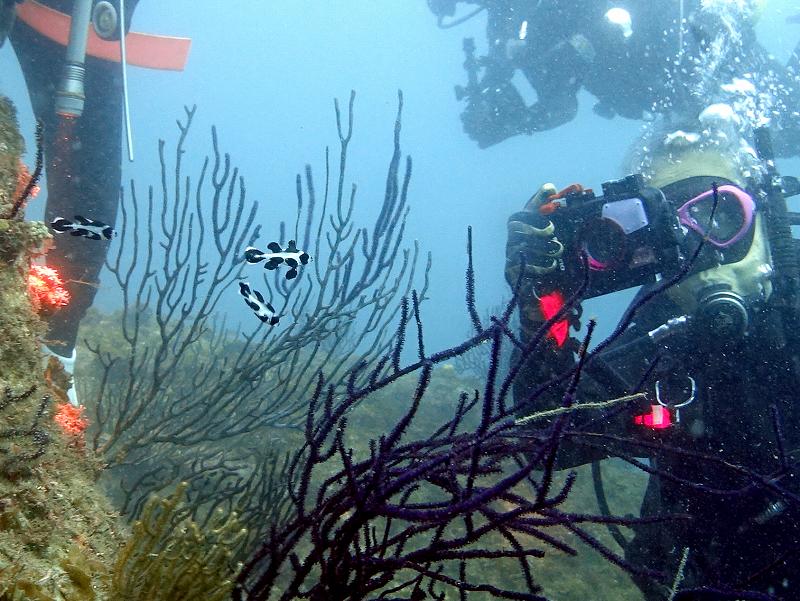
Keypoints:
pixel 409 518
pixel 406 520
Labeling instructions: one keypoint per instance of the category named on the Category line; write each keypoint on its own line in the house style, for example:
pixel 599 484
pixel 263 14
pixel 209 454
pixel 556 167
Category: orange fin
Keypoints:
pixel 144 50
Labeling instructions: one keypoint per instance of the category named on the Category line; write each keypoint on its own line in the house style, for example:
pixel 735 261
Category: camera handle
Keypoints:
pixel 471 66
pixel 784 257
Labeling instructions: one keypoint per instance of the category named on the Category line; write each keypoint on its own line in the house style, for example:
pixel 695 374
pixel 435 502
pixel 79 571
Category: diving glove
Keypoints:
pixel 532 246
pixel 533 259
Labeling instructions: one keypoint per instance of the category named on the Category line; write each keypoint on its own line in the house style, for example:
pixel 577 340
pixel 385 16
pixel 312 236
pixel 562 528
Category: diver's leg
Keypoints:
pixel 639 553
pixel 647 547
pixel 87 164
pixel 83 169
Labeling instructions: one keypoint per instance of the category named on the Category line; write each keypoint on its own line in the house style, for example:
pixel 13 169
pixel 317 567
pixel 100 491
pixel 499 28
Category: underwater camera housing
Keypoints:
pixel 630 235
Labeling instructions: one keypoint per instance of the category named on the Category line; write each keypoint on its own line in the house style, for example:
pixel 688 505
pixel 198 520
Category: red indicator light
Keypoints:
pixel 658 418
pixel 549 306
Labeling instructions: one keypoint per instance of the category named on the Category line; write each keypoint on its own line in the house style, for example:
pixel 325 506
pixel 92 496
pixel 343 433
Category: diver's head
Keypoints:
pixel 672 164
pixel 734 260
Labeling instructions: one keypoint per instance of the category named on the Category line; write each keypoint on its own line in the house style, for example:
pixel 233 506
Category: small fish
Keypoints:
pixel 291 256
pixel 88 228
pixel 254 299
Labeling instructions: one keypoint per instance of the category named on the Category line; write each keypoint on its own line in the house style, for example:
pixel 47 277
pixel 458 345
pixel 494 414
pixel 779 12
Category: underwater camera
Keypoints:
pixel 629 235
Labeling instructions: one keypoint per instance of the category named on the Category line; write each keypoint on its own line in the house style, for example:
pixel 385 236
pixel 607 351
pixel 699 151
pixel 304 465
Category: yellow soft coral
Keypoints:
pixel 165 562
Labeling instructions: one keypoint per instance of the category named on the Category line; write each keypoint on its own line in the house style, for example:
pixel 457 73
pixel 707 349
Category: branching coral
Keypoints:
pixel 175 380
pixel 410 518
pixel 413 518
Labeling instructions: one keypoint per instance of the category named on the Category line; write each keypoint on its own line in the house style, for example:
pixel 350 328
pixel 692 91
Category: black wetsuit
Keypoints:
pixel 745 540
pixel 83 164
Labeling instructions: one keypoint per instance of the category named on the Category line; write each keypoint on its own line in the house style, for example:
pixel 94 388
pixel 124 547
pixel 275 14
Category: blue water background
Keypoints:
pixel 266 74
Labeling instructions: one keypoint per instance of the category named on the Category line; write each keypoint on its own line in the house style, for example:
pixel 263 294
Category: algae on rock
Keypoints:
pixel 59 535
pixel 11 148
pixel 58 532
pixel 20 328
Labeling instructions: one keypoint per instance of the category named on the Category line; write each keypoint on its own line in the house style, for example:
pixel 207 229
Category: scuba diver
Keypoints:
pixel 631 55
pixel 711 339
pixel 73 60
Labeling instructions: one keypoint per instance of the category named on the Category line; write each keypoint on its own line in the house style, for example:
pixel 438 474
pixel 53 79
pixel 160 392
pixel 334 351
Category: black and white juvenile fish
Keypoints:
pixel 291 256
pixel 88 228
pixel 255 300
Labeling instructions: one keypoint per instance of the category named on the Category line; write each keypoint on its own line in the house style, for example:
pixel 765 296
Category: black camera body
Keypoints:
pixel 630 235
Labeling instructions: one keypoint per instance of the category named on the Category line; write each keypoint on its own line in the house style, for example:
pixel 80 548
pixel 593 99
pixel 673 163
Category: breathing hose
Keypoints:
pixel 786 279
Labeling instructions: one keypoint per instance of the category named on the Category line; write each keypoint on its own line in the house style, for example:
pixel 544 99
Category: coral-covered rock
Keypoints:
pixel 58 532
pixel 11 148
pixel 46 289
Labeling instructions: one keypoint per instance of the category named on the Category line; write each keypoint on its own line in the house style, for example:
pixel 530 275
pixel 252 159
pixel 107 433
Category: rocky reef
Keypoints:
pixel 59 535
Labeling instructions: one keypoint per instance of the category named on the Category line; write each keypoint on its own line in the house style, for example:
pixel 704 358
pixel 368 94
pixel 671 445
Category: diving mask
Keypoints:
pixel 723 220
